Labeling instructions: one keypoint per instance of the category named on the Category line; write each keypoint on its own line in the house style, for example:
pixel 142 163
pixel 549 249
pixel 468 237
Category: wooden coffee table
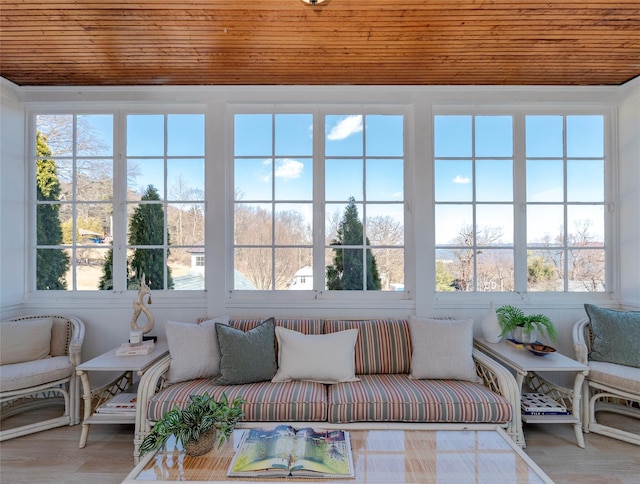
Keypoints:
pixel 380 456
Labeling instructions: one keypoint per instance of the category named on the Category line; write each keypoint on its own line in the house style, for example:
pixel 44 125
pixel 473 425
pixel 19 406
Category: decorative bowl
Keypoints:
pixel 539 349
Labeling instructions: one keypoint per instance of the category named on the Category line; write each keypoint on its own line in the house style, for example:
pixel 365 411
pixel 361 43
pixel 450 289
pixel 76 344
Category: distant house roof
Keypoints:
pixel 194 281
pixel 306 271
pixel 241 282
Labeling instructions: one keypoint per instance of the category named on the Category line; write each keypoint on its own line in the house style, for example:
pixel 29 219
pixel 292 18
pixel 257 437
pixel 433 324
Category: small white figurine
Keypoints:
pixel 139 306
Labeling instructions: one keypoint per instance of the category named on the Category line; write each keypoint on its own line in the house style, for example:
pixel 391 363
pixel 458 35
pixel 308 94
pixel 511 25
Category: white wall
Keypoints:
pixel 107 316
pixel 13 203
pixel 629 189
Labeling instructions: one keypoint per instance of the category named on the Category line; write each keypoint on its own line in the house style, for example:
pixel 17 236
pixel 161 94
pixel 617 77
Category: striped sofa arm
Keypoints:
pixel 150 383
pixel 498 379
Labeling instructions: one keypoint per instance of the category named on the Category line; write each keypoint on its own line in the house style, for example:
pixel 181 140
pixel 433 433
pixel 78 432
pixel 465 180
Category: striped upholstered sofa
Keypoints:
pixel 384 395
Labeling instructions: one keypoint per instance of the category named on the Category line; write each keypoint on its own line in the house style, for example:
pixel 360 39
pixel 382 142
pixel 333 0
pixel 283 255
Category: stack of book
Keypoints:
pixel 540 404
pixel 129 349
pixel 122 403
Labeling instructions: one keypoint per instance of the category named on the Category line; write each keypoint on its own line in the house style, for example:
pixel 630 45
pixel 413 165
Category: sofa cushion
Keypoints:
pixel 194 349
pixel 396 398
pixel 246 356
pixel 265 401
pixel 24 340
pixel 325 358
pixel 442 349
pixel 382 346
pixel 616 335
pixel 625 378
pixel 36 372
pixel 61 333
pixel 305 326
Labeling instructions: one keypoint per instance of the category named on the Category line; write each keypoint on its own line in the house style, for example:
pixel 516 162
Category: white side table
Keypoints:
pixel 528 368
pixel 108 361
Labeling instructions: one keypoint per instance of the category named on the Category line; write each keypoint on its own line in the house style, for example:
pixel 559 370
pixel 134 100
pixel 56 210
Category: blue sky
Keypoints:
pixel 348 138
pixel 493 182
pixel 289 147
pixel 185 138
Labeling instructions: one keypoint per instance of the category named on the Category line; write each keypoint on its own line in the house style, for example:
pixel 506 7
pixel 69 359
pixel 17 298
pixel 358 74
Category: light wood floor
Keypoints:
pixel 53 456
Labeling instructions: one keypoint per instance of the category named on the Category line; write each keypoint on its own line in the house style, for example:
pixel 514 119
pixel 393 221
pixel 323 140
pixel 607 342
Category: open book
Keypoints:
pixel 285 451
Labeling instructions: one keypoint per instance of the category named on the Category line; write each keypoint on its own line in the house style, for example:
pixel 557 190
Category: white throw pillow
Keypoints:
pixel 194 349
pixel 26 340
pixel 324 358
pixel 442 349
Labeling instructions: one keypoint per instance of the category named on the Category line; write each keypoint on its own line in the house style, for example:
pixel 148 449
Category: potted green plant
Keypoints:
pixel 524 327
pixel 198 426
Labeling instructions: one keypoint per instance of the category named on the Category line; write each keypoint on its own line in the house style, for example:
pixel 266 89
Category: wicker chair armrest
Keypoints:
pixel 150 383
pixel 500 380
pixel 77 339
pixel 75 353
pixel 496 377
pixel 580 344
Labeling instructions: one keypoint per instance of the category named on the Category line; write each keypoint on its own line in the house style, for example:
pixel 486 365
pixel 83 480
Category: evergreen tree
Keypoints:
pixel 346 272
pixel 51 264
pixel 146 227
pixel 106 281
pixel 444 280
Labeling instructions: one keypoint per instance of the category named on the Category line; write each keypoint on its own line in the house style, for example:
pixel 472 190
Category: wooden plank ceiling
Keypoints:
pixel 285 42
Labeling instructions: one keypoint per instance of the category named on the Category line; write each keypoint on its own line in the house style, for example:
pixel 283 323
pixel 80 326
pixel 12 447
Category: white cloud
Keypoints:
pixel 266 178
pixel 289 169
pixel 346 127
pixel 461 180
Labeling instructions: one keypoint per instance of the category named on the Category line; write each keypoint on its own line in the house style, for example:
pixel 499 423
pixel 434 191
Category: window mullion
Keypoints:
pixel 74 203
pixel 273 202
pixel 565 206
pixel 520 204
pixel 119 218
pixel 319 209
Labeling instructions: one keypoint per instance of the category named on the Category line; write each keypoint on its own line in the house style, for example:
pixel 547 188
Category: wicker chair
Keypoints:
pixel 609 387
pixel 42 382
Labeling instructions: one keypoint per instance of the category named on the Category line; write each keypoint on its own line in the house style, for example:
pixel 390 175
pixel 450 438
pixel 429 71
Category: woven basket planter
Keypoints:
pixel 207 440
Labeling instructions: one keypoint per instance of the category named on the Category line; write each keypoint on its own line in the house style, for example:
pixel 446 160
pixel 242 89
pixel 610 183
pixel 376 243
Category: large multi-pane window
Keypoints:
pixel 74 157
pixel 318 201
pixel 364 202
pixel 94 234
pixel 349 168
pixel 474 203
pixel 273 199
pixel 536 179
pixel 165 199
pixel 565 203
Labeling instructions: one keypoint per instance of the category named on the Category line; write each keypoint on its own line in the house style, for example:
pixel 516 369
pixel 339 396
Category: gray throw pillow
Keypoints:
pixel 616 335
pixel 246 357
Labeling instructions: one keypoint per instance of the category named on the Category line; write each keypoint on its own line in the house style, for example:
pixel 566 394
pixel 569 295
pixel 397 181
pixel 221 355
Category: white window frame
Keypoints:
pixel 319 296
pixel 120 220
pixel 521 295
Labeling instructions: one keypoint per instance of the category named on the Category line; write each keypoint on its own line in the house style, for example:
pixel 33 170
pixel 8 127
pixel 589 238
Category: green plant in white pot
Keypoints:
pixel 198 426
pixel 524 328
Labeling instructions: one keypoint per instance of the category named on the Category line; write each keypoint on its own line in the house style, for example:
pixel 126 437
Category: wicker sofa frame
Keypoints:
pixel 46 393
pixel 494 377
pixel 609 387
